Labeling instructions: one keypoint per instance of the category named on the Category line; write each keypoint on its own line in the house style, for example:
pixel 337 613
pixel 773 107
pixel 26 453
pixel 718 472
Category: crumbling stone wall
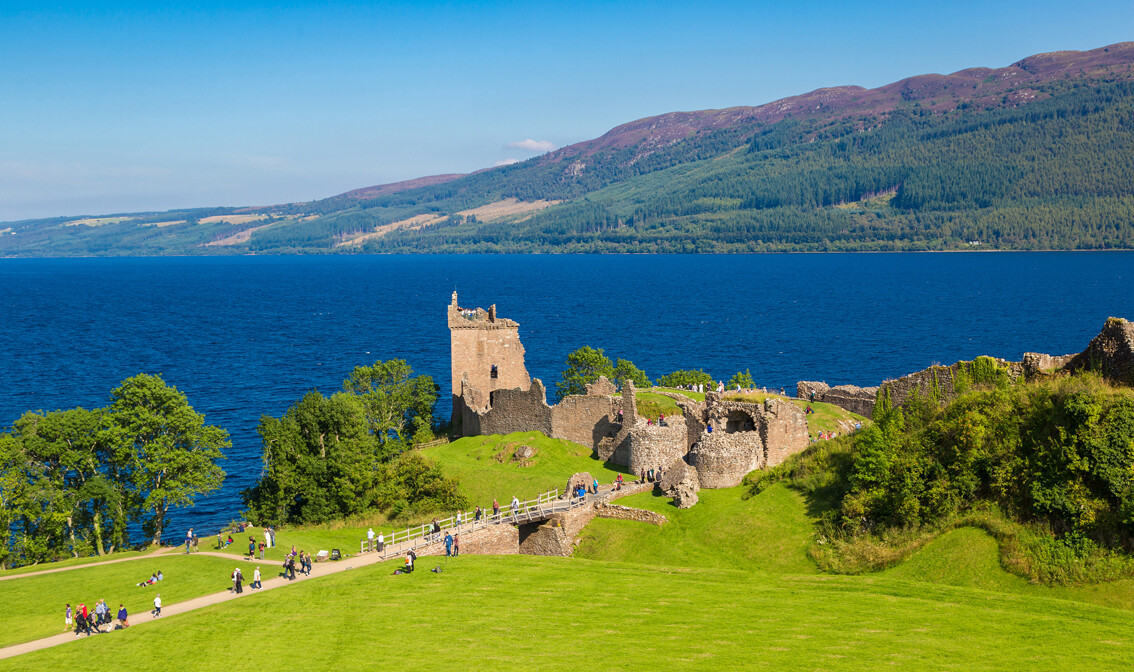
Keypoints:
pixel 852 398
pixel 783 426
pixel 652 446
pixel 619 512
pixel 486 350
pixel 746 436
pixel 510 411
pixel 680 481
pixel 723 460
pixel 503 539
pixel 1111 353
pixel 583 419
pixel 557 535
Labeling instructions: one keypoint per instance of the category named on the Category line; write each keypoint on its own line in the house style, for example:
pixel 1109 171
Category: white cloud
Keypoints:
pixel 533 145
pixel 506 162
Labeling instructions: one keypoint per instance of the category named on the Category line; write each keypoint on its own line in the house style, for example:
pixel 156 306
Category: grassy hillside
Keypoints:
pixel 509 613
pixel 485 467
pixel 768 532
pixel 34 605
pixel 1037 155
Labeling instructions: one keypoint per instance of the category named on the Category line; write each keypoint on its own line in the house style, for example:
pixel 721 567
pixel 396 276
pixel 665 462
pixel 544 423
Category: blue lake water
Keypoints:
pixel 246 336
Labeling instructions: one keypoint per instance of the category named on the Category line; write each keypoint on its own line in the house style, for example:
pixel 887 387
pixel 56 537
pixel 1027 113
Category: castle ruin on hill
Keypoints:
pixel 712 444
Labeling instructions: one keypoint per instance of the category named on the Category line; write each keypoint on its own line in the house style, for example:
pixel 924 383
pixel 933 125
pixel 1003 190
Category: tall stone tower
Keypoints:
pixel 486 351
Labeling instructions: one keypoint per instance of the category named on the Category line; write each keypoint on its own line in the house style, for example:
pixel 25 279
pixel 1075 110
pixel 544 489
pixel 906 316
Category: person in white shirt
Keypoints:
pixel 256 585
pixel 370 539
pixel 157 605
pixel 381 543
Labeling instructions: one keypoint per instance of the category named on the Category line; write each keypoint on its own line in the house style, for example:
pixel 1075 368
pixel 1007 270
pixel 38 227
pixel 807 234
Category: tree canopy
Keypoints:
pixel 71 481
pixel 333 457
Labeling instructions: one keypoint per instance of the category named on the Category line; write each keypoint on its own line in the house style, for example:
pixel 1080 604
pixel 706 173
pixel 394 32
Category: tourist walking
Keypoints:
pixel 515 507
pixel 448 545
pixel 157 605
pixel 67 617
pixel 456 545
pixel 188 540
pixel 123 617
pixel 237 579
pixel 458 520
pixel 256 585
pixel 496 510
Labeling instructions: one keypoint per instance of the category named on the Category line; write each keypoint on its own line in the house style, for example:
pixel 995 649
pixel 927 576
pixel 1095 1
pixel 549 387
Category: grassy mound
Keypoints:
pixel 486 468
pixel 507 613
pixel 34 605
pixel 770 532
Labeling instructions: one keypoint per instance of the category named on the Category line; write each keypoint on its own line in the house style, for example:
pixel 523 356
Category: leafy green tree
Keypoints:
pixel 320 462
pixel 397 404
pixel 625 370
pixel 584 366
pixel 685 377
pixel 743 379
pixel 170 454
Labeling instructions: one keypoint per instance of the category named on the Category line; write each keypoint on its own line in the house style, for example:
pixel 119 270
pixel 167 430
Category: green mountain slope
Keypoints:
pixel 1037 155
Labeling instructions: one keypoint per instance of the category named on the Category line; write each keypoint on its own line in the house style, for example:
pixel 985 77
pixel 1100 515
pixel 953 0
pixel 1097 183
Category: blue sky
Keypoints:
pixel 114 107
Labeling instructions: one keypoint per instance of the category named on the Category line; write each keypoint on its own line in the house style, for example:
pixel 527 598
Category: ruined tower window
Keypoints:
pixel 494 372
pixel 739 421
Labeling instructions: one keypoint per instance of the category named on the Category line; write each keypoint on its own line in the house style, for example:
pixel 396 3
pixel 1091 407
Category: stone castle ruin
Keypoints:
pixel 1111 353
pixel 712 444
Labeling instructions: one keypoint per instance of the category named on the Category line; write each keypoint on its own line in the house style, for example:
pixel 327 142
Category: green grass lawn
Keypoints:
pixel 34 605
pixel 535 613
pixel 768 532
pixel 695 396
pixel 651 405
pixel 827 416
pixel 485 468
pixel 71 562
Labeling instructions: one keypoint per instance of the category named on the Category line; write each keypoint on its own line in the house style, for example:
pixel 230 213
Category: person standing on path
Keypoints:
pixel 256 585
pixel 515 507
pixel 157 605
pixel 67 620
pixel 496 510
pixel 123 617
pixel 188 541
pixel 236 579
pixel 370 540
pixel 381 542
pixel 456 545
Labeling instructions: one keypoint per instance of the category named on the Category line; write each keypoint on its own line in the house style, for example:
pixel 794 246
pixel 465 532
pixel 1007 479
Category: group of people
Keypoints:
pixel 296 557
pixel 154 578
pixel 237 578
pixel 647 475
pixel 91 622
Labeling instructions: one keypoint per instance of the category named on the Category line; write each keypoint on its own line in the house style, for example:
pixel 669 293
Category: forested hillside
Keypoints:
pixel 1038 155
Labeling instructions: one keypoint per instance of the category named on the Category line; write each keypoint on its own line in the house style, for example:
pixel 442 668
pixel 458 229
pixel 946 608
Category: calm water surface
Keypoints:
pixel 246 336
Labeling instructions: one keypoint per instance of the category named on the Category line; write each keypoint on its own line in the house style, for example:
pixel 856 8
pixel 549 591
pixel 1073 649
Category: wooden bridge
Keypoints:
pixel 531 511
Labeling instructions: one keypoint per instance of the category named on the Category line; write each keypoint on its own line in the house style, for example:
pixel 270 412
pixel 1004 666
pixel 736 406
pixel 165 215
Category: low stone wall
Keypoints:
pixel 502 539
pixel 619 512
pixel 851 398
pixel 723 460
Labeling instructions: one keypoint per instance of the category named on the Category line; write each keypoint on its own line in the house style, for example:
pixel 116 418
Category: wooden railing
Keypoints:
pixel 528 511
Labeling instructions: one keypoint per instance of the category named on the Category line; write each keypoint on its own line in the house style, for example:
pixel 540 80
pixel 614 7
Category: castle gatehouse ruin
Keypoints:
pixel 712 444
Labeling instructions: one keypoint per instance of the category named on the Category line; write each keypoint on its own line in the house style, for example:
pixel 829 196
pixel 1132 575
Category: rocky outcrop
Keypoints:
pixel 680 482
